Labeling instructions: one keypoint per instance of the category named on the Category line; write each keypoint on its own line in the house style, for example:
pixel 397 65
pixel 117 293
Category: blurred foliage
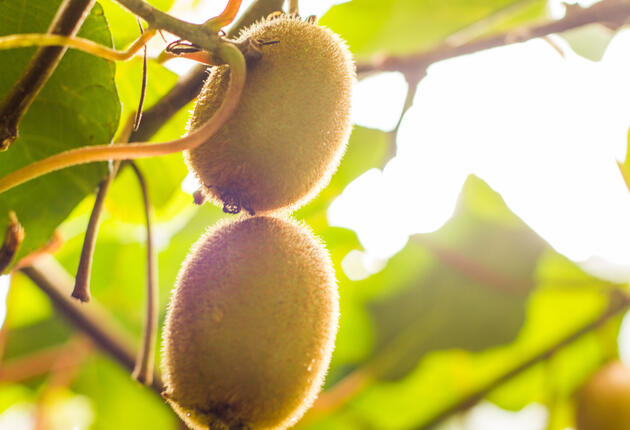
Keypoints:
pixel 406 26
pixel 452 312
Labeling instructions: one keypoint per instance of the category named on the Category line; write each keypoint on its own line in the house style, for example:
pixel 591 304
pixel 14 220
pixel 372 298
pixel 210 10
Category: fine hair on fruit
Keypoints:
pixel 290 130
pixel 251 326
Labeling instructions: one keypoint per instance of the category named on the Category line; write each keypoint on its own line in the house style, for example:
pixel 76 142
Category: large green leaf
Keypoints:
pixel 78 106
pixel 479 272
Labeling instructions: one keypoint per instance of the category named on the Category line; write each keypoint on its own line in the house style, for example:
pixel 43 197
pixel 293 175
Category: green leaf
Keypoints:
pixel 405 26
pixel 119 401
pixel 480 273
pixel 78 106
pixel 589 41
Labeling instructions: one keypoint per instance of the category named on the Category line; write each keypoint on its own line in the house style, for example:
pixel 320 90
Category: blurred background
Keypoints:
pixel 478 224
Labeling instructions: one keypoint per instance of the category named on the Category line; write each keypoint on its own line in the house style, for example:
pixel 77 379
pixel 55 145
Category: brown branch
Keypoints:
pixel 188 87
pixel 13 238
pixel 16 102
pixel 607 11
pixel 91 318
pixel 44 361
pixel 619 303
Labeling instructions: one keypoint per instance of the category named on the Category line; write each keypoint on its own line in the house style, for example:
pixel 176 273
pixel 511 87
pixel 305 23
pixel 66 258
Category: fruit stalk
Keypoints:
pixel 227 51
pixel 143 371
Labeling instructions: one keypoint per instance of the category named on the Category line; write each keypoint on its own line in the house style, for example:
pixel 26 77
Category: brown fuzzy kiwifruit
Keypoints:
pixel 286 137
pixel 603 403
pixel 250 327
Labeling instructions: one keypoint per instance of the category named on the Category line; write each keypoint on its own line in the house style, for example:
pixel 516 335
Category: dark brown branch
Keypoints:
pixel 16 102
pixel 13 238
pixel 81 289
pixel 143 371
pixel 619 303
pixel 199 34
pixel 607 11
pixel 91 318
pixel 190 85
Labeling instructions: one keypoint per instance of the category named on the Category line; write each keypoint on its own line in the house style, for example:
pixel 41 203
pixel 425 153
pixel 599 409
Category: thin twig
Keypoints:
pixel 189 86
pixel 606 11
pixel 619 303
pixel 91 318
pixel 81 289
pixel 412 79
pixel 16 102
pixel 143 89
pixel 13 238
pixel 143 371
pixel 25 40
pixel 84 269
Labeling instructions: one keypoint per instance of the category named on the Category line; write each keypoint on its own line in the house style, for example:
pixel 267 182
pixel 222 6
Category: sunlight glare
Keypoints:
pixel 358 265
pixel 19 416
pixel 557 8
pixel 377 101
pixel 542 130
pixel 5 282
pixel 487 416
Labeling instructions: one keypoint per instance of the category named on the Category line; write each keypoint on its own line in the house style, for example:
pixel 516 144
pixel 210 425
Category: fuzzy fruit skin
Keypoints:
pixel 251 326
pixel 603 403
pixel 290 130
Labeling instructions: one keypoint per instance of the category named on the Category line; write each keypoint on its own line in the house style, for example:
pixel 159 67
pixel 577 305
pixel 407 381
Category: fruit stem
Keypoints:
pixel 81 289
pixel 86 45
pixel 189 85
pixel 143 371
pixel 293 8
pixel 227 51
pixel 82 280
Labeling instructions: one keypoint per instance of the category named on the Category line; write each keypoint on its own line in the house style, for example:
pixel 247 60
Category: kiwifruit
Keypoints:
pixel 285 139
pixel 603 403
pixel 251 326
